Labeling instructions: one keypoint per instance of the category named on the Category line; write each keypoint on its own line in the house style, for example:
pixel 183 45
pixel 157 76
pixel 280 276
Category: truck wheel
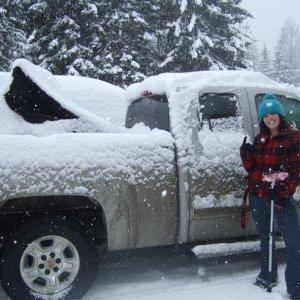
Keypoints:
pixel 48 257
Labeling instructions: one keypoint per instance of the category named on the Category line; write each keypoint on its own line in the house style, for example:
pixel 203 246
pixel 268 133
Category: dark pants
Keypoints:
pixel 288 225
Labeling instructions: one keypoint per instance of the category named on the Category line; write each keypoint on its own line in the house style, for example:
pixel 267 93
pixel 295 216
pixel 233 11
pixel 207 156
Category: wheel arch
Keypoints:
pixel 85 210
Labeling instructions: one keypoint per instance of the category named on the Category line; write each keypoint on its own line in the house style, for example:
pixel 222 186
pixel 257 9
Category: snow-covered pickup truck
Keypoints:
pixel 72 178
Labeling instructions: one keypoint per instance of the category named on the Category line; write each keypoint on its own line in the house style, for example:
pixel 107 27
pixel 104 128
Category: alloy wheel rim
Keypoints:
pixel 49 264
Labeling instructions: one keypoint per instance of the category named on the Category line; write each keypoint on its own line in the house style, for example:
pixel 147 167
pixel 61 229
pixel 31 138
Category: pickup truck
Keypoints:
pixel 172 174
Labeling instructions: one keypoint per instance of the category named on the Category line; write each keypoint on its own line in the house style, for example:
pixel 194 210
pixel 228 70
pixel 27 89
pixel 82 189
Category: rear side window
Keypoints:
pixel 220 111
pixel 153 111
pixel 291 107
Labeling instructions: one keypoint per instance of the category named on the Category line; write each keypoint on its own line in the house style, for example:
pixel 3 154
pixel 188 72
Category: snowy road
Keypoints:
pixel 165 274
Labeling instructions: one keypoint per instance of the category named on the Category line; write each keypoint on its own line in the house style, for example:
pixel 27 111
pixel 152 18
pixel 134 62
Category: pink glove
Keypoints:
pixel 273 177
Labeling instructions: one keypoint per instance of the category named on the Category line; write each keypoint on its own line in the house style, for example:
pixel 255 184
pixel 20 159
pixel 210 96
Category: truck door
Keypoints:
pixel 216 180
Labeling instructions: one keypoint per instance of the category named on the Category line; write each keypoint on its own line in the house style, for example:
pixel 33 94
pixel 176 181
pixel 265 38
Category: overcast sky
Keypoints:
pixel 268 17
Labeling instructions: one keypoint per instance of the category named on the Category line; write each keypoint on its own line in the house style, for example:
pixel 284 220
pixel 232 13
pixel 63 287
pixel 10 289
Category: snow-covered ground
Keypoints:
pixel 218 271
pixel 167 275
pixel 233 287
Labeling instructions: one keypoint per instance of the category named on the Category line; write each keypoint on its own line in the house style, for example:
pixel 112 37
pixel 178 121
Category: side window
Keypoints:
pixel 153 111
pixel 291 106
pixel 220 112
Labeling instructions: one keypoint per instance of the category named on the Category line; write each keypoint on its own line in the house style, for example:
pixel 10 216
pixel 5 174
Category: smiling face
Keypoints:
pixel 272 121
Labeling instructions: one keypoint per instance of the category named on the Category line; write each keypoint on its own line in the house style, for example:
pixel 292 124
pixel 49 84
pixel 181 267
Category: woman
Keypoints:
pixel 273 166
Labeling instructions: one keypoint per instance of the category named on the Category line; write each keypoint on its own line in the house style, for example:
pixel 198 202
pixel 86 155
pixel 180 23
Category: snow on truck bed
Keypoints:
pixel 101 98
pixel 100 106
pixel 41 158
pixel 3 78
pixel 70 162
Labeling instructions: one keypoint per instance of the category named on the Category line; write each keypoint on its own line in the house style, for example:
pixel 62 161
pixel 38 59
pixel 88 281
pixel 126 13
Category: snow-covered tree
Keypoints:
pixel 287 51
pixel 13 40
pixel 124 41
pixel 129 40
pixel 264 62
pixel 205 34
pixel 252 57
pixel 147 37
pixel 64 36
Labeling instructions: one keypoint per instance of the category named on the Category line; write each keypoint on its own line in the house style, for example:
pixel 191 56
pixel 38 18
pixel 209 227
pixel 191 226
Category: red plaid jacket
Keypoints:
pixel 279 154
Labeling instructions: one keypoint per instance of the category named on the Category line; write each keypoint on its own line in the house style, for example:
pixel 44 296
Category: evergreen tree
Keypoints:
pixel 287 51
pixel 152 36
pixel 252 58
pixel 64 36
pixel 206 34
pixel 13 40
pixel 129 40
pixel 251 53
pixel 123 41
pixel 264 64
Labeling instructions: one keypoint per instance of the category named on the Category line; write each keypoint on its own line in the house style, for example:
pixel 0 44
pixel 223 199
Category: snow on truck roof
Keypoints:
pixel 93 101
pixel 167 82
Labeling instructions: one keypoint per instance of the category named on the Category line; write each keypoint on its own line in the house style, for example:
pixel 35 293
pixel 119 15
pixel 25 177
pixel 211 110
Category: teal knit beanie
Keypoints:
pixel 270 105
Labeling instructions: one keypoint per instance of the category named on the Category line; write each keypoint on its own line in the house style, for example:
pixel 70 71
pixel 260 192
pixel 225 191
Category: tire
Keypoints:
pixel 29 258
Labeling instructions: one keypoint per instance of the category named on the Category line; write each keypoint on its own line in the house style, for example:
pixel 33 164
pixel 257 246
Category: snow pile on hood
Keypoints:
pixel 84 97
pixel 77 163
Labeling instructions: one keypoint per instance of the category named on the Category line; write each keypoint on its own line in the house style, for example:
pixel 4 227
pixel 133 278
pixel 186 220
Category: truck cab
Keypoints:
pixel 209 114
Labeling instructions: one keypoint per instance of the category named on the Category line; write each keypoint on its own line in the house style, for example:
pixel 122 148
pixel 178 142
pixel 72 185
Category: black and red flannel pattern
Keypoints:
pixel 279 154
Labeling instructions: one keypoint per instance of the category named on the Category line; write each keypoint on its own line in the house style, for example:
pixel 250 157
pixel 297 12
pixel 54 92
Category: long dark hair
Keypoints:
pixel 284 126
